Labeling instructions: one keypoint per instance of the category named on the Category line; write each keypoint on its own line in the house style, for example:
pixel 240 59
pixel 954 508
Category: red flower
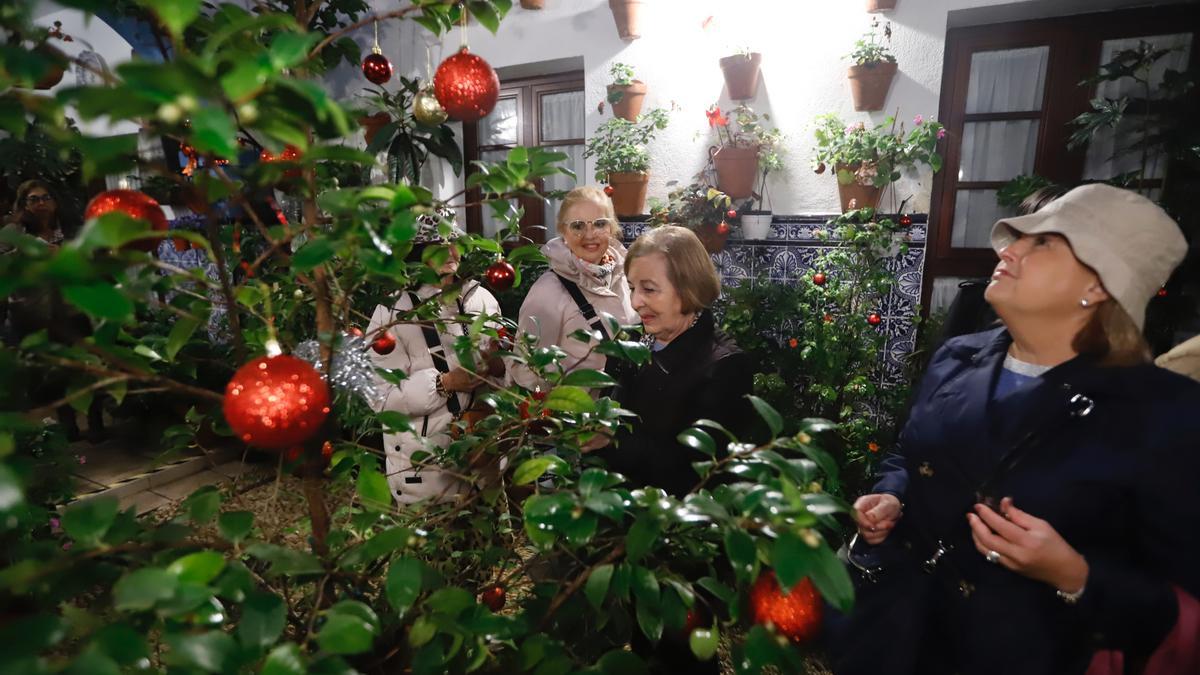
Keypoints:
pixel 715 118
pixel 793 343
pixel 873 446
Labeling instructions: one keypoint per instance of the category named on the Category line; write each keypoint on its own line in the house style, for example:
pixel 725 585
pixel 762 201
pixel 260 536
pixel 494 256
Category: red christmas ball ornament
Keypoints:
pixel 874 319
pixel 276 402
pixel 494 597
pixel 723 228
pixel 466 86
pixel 290 154
pixel 384 343
pixel 266 156
pixel 819 279
pixel 500 275
pixel 134 204
pixel 828 318
pixel 609 190
pixel 1162 292
pixel 905 220
pixel 796 615
pixel 731 214
pixel 327 449
pixel 376 67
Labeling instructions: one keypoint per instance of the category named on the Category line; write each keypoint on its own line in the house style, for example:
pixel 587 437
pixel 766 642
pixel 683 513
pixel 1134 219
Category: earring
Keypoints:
pixel 1084 302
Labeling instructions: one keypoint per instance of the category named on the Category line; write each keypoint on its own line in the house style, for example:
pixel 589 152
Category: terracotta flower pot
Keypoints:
pixel 627 15
pixel 632 96
pixel 863 196
pixel 629 192
pixel 875 6
pixel 713 237
pixel 869 85
pixel 742 75
pixel 736 170
pixel 371 124
pixel 54 74
pixel 533 4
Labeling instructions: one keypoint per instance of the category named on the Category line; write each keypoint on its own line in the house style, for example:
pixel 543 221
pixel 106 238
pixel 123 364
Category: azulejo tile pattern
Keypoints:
pixel 788 254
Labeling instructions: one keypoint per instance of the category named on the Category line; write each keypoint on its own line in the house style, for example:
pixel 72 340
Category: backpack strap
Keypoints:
pixel 438 353
pixel 585 307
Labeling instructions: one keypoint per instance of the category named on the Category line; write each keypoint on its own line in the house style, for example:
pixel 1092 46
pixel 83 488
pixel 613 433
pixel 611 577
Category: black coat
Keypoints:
pixel 1119 484
pixel 699 375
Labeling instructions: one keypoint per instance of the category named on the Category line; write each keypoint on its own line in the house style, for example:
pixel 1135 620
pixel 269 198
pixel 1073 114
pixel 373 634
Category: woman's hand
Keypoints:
pixel 460 380
pixel 1028 546
pixel 876 515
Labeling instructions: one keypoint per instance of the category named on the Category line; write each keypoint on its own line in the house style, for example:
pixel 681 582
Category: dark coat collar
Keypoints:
pixel 684 349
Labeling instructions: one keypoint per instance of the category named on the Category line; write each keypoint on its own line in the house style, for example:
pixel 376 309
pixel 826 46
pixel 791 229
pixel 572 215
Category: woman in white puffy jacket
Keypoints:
pixel 430 396
pixel 586 258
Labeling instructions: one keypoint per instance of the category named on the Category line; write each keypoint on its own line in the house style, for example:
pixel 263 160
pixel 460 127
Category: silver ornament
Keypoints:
pixel 353 370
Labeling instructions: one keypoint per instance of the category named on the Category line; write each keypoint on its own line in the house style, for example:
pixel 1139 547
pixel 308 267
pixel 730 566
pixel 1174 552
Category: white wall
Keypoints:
pixel 803 43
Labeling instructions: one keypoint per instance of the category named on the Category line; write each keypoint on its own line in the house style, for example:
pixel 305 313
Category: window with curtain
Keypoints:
pixel 1009 93
pixel 545 112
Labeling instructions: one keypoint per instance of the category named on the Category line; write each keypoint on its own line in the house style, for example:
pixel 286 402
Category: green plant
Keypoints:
pixel 816 347
pixel 356 583
pixel 1012 193
pixel 408 142
pixel 870 50
pixel 752 131
pixel 619 145
pixel 695 206
pixel 622 76
pixel 878 155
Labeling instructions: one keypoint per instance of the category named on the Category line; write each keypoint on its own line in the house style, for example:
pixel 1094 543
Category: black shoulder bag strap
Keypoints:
pixel 438 354
pixel 585 307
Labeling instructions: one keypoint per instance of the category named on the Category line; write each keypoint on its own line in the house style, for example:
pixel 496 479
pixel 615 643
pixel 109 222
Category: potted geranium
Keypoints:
pixel 741 138
pixel 625 94
pixel 756 216
pixel 867 160
pixel 874 68
pixel 741 73
pixel 702 209
pixel 619 147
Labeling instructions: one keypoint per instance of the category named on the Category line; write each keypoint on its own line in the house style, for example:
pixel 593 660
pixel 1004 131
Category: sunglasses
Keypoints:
pixel 39 199
pixel 597 225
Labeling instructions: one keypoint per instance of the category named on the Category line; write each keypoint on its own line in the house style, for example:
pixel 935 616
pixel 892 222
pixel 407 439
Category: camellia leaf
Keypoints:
pixel 591 379
pixel 264 617
pixel 176 15
pixel 641 537
pixel 235 525
pixel 373 489
pixel 198 568
pixel 345 634
pixel 210 652
pixel 532 469
pixel 284 660
pixel 698 440
pixel 102 301
pixel 314 252
pixel 566 398
pixel 597 584
pixel 142 589
pixel 88 520
pixel 403 584
pixel 213 131
pixel 768 414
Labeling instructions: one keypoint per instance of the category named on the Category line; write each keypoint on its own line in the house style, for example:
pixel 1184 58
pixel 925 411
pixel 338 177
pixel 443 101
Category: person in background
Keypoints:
pixel 1046 470
pixel 586 277
pixel 35 212
pixel 437 389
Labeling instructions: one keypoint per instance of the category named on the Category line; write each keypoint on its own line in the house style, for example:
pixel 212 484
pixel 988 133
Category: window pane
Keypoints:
pixel 998 150
pixel 560 182
pixel 490 222
pixel 500 127
pixel 1108 151
pixel 975 211
pixel 562 116
pixel 1009 80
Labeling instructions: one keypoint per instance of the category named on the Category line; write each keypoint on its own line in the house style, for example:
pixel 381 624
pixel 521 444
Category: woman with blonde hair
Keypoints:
pixel 1046 475
pixel 585 278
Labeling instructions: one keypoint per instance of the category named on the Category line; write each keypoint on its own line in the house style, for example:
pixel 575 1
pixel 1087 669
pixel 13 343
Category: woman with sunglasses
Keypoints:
pixel 585 279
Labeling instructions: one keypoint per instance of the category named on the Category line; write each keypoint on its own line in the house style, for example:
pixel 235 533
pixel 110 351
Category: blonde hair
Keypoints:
pixel 1111 335
pixel 588 193
pixel 689 267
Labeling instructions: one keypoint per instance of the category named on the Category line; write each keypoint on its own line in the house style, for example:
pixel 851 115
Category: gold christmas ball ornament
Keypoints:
pixel 427 109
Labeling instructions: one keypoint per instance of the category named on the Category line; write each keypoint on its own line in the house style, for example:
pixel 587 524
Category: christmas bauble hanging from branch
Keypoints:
pixel 500 275
pixel 134 204
pixel 427 110
pixel 796 615
pixel 376 67
pixel 275 402
pixel 466 86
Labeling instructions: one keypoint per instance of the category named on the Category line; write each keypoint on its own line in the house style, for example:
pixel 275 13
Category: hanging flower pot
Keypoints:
pixel 540 4
pixel 629 105
pixel 876 6
pixel 713 237
pixel 741 75
pixel 371 124
pixel 627 15
pixel 54 71
pixel 869 84
pixel 853 193
pixel 628 192
pixel 736 169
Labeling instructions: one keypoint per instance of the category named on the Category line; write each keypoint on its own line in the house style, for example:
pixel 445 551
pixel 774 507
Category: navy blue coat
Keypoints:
pixel 1119 484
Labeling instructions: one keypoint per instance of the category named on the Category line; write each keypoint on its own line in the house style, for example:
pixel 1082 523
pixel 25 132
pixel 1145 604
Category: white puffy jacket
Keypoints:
pixel 416 395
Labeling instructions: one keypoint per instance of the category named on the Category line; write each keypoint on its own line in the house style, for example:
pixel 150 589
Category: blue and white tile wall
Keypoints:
pixel 787 255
